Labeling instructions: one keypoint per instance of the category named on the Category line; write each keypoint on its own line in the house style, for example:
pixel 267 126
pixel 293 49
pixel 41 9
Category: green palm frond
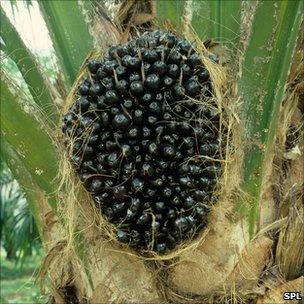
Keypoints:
pixel 172 11
pixel 28 138
pixel 266 65
pixel 15 48
pixel 69 33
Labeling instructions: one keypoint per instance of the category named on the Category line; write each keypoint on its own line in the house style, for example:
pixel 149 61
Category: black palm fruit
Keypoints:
pixel 135 133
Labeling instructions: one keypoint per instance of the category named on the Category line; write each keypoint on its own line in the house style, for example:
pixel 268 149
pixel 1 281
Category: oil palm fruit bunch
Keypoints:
pixel 140 123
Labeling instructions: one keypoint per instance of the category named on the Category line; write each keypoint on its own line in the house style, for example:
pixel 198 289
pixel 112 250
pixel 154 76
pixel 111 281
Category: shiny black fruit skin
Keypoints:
pixel 136 88
pixel 93 66
pixel 152 82
pixel 143 137
pixel 121 121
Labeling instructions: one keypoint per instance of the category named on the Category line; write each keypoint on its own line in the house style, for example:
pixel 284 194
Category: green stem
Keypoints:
pixel 171 10
pixel 27 65
pixel 32 191
pixel 219 20
pixel 266 65
pixel 33 146
pixel 69 33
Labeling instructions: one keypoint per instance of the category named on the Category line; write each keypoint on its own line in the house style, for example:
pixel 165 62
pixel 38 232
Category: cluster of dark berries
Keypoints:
pixel 137 136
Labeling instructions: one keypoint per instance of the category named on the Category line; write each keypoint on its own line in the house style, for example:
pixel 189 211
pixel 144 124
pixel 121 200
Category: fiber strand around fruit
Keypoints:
pixel 143 136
